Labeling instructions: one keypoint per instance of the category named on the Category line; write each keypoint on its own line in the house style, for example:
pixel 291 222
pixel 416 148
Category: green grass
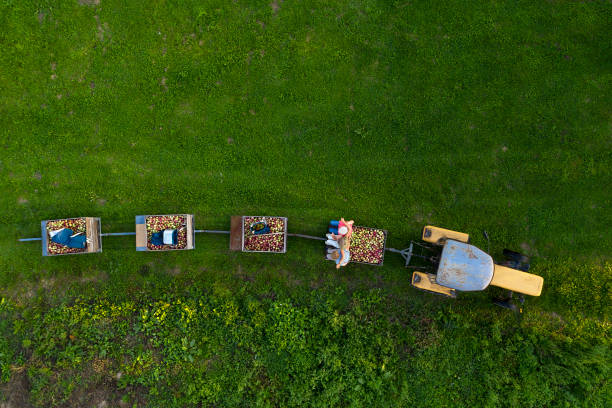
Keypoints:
pixel 397 114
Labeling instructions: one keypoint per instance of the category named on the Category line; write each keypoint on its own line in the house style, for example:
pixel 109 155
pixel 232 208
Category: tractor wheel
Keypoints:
pixel 515 256
pixel 516 261
pixel 506 304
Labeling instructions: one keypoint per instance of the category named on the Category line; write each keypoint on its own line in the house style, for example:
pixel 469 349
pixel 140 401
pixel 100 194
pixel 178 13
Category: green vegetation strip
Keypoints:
pixel 329 348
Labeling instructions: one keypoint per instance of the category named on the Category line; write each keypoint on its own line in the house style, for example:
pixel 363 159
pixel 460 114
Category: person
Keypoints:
pixel 340 228
pixel 340 252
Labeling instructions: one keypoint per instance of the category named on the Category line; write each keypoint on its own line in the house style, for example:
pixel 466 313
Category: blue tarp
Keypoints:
pixel 64 237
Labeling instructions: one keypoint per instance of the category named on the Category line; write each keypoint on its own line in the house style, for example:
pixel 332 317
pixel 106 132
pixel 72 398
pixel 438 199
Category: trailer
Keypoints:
pixel 250 233
pixel 173 232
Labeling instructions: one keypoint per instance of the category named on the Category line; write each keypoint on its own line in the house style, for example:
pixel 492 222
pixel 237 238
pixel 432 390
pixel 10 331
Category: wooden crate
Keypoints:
pixel 141 232
pixel 383 248
pixel 236 233
pixel 260 216
pixel 92 230
pixel 94 234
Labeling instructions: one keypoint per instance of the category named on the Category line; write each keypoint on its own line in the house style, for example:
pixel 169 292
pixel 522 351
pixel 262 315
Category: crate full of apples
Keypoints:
pixel 368 245
pixel 156 223
pixel 264 234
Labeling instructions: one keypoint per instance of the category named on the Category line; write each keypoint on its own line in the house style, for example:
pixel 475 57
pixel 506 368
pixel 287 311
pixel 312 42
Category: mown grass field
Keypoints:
pixel 396 114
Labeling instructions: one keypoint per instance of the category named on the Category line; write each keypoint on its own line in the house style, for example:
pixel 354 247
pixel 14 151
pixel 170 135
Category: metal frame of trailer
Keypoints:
pixel 92 225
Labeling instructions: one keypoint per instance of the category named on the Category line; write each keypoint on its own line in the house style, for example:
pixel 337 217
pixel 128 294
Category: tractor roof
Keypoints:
pixel 464 267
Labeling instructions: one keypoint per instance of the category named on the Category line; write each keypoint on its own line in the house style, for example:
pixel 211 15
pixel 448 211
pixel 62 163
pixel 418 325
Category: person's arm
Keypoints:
pixel 350 228
pixel 340 260
pixel 336 237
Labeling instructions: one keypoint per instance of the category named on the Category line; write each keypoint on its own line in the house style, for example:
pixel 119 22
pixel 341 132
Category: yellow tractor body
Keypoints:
pixel 517 281
pixel 439 236
pixel 463 267
pixel 427 281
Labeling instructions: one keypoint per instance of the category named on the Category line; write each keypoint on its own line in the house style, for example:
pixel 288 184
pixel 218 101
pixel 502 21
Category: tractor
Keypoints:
pixel 454 265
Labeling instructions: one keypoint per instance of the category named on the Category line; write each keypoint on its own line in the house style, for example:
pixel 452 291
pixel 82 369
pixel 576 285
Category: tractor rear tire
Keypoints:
pixel 516 260
pixel 515 256
pixel 506 304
